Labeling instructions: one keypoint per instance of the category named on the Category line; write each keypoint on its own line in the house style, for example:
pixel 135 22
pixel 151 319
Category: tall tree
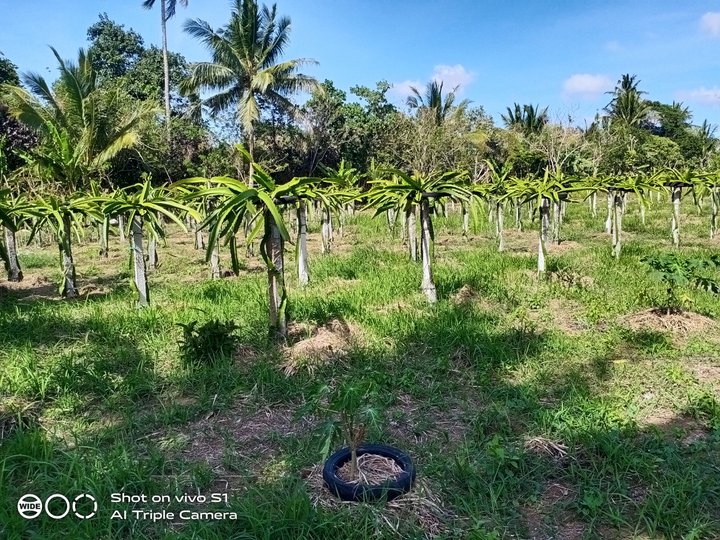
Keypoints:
pixel 245 67
pixel 528 119
pixel 114 50
pixel 627 103
pixel 433 101
pixel 167 12
pixel 81 126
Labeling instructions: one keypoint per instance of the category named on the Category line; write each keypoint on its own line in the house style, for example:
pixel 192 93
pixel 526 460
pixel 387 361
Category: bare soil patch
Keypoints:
pixel 707 371
pixel 244 432
pixel 541 516
pixel 676 427
pixel 562 314
pixel 412 422
pixel 562 247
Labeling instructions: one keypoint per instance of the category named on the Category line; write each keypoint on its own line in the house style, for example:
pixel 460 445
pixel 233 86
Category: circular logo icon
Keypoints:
pixel 78 499
pixel 62 498
pixel 29 506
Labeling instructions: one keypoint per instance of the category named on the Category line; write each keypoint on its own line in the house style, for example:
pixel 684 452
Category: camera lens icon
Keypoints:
pixel 29 506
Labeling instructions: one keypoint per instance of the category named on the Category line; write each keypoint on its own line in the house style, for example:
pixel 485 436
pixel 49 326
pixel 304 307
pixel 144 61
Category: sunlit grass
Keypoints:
pixel 470 386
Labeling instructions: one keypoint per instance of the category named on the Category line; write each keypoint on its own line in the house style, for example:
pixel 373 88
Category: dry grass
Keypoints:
pixel 680 324
pixel 420 504
pixel 372 470
pixel 330 342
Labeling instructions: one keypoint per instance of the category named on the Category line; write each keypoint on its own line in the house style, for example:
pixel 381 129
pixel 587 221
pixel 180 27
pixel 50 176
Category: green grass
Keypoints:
pixel 531 408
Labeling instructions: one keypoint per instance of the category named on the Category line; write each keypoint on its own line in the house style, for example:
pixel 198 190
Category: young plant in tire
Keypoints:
pixel 351 411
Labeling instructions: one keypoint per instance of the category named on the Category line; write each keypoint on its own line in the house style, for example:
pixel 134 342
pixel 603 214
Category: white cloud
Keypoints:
pixel 450 76
pixel 710 23
pixel 705 96
pixel 453 76
pixel 401 90
pixel 586 86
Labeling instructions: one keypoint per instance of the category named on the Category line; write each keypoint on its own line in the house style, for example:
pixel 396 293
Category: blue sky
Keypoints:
pixel 558 53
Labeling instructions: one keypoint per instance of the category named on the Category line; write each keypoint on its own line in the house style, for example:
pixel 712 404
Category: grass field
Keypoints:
pixel 554 408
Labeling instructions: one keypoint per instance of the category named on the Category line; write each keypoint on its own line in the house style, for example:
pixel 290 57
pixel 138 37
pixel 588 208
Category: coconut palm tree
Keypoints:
pixel 627 104
pixel 528 119
pixel 81 126
pixel 245 67
pixel 404 192
pixel 434 103
pixel 144 205
pixel 167 12
pixel 260 205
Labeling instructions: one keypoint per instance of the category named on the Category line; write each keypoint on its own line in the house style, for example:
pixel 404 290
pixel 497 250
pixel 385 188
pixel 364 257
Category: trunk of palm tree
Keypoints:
pixel 557 217
pixel 139 270
pixel 69 288
pixel 103 236
pixel 465 220
pixel 500 226
pixel 121 227
pixel 593 204
pixel 518 216
pixel 428 285
pixel 277 294
pixel 12 264
pixel 302 253
pixel 152 259
pixel 715 202
pixel 617 225
pixel 608 219
pixel 166 67
pixel 411 233
pixel 215 272
pixel 234 259
pixel 326 229
pixel 491 211
pixel 675 225
pixel 545 218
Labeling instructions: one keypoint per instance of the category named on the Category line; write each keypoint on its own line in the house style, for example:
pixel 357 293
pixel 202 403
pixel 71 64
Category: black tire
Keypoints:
pixel 359 492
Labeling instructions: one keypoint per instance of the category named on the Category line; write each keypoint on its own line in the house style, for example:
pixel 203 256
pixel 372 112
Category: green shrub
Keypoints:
pixel 207 344
pixel 674 270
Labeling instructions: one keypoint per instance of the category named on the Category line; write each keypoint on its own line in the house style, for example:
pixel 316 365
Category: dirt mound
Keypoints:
pixel 464 295
pixel 681 322
pixel 569 278
pixel 332 341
